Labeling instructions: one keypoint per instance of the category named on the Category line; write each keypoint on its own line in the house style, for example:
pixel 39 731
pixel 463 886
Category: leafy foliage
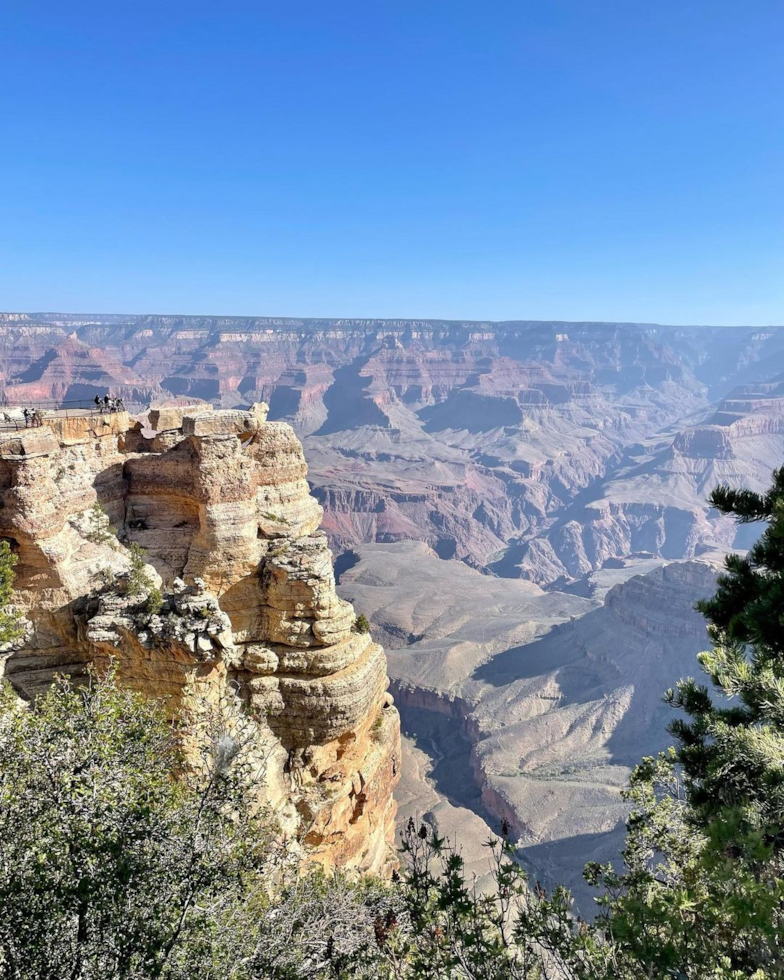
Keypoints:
pixel 109 866
pixel 154 602
pixel 454 930
pixel 139 580
pixel 732 751
pixel 362 624
pixel 10 626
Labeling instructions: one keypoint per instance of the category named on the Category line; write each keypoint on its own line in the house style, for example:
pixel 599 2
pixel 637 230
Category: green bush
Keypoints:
pixel 100 530
pixel 109 867
pixel 10 626
pixel 154 602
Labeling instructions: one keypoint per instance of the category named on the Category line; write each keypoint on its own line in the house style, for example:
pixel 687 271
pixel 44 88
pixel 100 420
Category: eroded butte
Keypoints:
pixel 219 502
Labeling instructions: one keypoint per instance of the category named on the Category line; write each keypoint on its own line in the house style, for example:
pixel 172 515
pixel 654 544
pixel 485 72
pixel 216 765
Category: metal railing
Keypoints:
pixel 37 409
pixel 50 404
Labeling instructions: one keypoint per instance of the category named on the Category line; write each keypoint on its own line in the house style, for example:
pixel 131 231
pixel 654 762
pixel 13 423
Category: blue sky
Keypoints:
pixel 536 159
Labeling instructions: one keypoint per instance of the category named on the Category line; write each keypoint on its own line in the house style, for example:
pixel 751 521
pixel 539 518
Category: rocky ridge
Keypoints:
pixel 655 501
pixel 236 601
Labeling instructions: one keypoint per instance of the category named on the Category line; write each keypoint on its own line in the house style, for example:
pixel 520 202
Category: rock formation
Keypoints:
pixel 246 600
pixel 656 501
pixel 563 458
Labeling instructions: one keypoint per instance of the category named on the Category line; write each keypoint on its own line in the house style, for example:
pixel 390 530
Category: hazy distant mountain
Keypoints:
pixel 533 449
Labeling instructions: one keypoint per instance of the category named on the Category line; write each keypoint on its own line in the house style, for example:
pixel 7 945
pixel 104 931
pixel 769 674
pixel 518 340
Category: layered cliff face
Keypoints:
pixel 248 610
pixel 655 502
pixel 41 363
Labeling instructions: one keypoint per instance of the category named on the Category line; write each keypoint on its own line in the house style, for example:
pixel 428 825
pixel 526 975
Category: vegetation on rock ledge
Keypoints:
pixel 10 627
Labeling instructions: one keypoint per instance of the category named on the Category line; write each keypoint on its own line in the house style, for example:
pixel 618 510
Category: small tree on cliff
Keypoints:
pixel 10 627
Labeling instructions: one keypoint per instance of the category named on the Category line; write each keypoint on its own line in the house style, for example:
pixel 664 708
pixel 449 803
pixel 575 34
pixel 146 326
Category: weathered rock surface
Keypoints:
pixel 222 508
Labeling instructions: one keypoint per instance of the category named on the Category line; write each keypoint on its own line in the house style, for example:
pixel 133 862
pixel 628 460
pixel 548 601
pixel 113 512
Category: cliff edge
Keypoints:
pixel 219 502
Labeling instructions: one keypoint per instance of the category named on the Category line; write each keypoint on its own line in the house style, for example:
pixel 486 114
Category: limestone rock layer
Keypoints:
pixel 220 504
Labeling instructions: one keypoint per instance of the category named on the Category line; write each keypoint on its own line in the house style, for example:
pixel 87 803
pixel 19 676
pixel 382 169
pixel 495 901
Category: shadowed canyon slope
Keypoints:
pixel 532 705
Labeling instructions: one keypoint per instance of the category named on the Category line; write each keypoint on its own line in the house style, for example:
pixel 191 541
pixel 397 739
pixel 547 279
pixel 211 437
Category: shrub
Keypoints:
pixel 109 867
pixel 100 531
pixel 10 625
pixel 138 578
pixel 154 602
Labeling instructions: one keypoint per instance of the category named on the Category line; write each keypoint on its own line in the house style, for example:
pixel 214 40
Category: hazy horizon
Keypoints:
pixel 383 319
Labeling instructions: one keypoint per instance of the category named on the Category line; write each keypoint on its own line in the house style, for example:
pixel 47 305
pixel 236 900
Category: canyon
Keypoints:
pixel 529 706
pixel 481 439
pixel 519 508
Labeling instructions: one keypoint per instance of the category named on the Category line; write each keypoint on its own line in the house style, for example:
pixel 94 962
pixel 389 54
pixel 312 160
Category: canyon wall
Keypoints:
pixel 567 462
pixel 236 602
pixel 499 444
